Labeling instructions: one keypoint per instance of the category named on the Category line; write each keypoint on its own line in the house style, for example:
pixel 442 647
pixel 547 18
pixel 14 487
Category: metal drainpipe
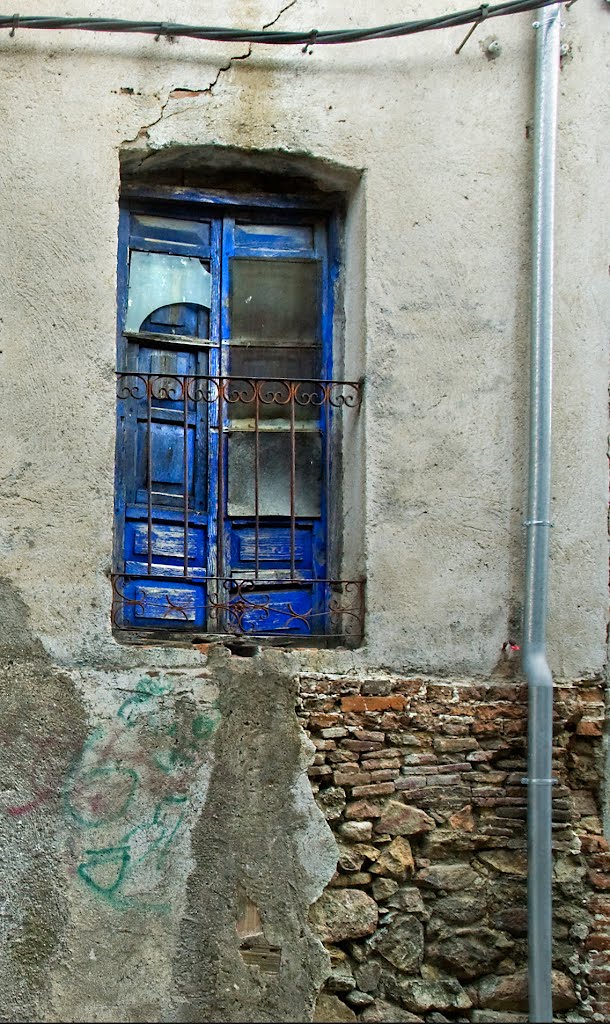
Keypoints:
pixel 535 665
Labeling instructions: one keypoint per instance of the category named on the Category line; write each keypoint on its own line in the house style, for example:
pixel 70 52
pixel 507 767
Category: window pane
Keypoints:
pixel 275 366
pixel 275 301
pixel 177 235
pixel 274 474
pixel 274 236
pixel 157 280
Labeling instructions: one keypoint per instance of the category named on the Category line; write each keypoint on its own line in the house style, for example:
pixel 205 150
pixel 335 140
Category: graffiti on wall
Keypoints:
pixel 131 790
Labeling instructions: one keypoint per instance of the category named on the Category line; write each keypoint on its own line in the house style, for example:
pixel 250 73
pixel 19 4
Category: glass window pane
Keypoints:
pixel 274 474
pixel 275 366
pixel 157 280
pixel 170 233
pixel 275 301
pixel 276 236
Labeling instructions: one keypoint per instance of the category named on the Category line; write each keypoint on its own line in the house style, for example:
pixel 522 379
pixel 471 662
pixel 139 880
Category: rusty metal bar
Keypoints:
pixel 327 468
pixel 221 460
pixel 347 393
pixel 149 387
pixel 185 471
pixel 235 599
pixel 293 449
pixel 256 480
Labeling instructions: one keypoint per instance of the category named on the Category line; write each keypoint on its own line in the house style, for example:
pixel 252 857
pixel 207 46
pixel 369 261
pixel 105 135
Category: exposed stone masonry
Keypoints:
pixel 425 917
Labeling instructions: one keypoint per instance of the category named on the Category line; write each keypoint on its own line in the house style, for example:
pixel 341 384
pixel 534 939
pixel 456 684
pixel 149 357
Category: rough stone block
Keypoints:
pixel 401 943
pixel 343 914
pixel 396 860
pixel 356 831
pixel 362 809
pixel 451 877
pixel 398 818
pixel 510 993
pixel 384 888
pixel 329 1008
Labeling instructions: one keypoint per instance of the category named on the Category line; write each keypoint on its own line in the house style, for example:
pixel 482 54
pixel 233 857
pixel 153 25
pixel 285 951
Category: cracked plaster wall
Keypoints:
pixel 436 295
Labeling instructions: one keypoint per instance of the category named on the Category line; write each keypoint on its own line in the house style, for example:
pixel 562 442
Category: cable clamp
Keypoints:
pixel 539 782
pixel 483 12
pixel 309 45
pixel 165 29
pixel 538 522
pixel 15 25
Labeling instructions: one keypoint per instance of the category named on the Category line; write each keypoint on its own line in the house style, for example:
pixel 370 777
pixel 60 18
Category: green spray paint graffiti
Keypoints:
pixel 131 788
pixel 109 871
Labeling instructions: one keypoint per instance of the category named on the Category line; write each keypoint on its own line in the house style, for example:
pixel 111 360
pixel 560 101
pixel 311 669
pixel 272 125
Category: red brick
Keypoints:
pixel 395 702
pixel 322 721
pixel 600 905
pixel 390 720
pixel 469 692
pixel 386 752
pixel 591 844
pixel 440 692
pixel 599 879
pixel 414 687
pixel 600 975
pixel 345 778
pixel 362 810
pixel 489 728
pixel 379 763
pixel 603 991
pixel 586 728
pixel 602 860
pixel 598 942
pixel 384 775
pixel 341 756
pixel 369 736
pixel 377 789
pixel 360 745
pixel 515 728
pixel 591 694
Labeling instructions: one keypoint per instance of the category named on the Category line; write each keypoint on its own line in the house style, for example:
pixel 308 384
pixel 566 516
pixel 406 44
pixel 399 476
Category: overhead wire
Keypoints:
pixel 308 38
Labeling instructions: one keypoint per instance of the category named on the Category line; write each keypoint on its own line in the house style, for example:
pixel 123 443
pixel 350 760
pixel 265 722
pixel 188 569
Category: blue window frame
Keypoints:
pixel 228 422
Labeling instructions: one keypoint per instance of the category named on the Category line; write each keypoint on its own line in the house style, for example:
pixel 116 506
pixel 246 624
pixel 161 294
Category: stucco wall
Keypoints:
pixel 441 143
pixel 433 150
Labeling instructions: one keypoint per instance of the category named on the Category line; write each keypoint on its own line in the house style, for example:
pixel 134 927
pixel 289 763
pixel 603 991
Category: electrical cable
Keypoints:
pixel 277 38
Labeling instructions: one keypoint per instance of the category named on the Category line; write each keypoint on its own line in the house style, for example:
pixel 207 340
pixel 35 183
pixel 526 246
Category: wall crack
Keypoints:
pixel 181 92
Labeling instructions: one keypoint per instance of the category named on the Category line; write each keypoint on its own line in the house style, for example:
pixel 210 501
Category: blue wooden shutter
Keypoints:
pixel 276 332
pixel 164 431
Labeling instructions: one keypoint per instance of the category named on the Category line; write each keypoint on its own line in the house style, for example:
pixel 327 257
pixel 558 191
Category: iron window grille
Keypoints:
pixel 228 427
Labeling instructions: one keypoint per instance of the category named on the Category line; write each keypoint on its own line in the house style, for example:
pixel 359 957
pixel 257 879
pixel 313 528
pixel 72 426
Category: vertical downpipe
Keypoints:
pixel 535 664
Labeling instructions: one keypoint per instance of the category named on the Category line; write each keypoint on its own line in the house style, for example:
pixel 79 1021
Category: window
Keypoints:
pixel 228 425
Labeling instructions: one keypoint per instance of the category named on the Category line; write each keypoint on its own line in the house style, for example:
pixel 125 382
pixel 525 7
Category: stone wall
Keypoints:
pixel 425 917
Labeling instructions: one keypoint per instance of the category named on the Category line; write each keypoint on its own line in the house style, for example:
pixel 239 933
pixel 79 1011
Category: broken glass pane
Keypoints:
pixel 156 280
